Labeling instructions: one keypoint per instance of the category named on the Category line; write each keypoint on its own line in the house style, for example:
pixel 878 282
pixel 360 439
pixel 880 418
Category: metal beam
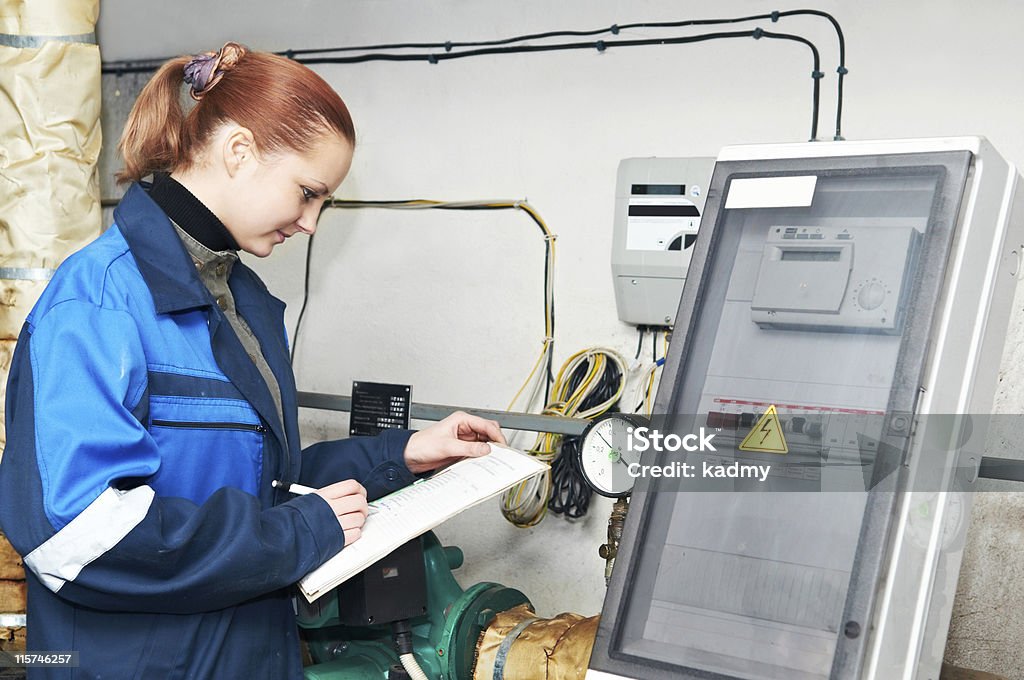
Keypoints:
pixel 1001 468
pixel 991 468
pixel 513 421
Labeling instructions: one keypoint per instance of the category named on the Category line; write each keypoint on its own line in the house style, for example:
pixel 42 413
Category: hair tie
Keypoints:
pixel 206 69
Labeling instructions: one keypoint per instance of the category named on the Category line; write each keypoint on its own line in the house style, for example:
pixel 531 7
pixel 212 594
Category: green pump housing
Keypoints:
pixel 444 639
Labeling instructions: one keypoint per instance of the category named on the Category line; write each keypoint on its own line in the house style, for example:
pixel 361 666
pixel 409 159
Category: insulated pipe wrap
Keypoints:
pixel 49 17
pixel 49 144
pixel 49 190
pixel 49 124
pixel 519 646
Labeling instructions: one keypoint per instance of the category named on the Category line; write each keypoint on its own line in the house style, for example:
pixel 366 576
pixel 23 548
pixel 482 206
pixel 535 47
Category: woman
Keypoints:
pixel 151 401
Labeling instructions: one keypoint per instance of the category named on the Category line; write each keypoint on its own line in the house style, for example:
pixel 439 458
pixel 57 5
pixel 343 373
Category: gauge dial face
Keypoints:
pixel 605 455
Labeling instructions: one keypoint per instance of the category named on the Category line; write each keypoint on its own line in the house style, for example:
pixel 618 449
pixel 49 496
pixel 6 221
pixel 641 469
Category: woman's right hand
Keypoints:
pixel 348 501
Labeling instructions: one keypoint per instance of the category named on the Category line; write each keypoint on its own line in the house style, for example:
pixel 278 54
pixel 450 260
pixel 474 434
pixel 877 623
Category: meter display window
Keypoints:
pixel 815 294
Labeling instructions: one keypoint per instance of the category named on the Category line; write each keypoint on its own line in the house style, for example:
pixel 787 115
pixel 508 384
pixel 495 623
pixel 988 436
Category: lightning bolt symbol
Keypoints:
pixel 767 431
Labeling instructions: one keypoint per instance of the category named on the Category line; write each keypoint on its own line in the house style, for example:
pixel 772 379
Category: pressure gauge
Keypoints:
pixel 605 455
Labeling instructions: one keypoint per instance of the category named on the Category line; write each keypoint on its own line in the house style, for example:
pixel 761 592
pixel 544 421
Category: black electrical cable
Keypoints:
pixel 816 74
pixel 305 297
pixel 605 389
pixel 145 65
pixel 639 341
pixel 775 16
pixel 841 70
pixel 449 45
pixel 600 46
pixel 121 68
pixel 615 29
pixel 570 494
pixel 551 314
pixel 549 311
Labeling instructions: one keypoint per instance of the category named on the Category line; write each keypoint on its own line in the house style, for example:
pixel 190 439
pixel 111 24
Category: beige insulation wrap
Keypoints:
pixel 541 649
pixel 12 639
pixel 49 144
pixel 49 124
pixel 49 189
pixel 49 17
pixel 12 582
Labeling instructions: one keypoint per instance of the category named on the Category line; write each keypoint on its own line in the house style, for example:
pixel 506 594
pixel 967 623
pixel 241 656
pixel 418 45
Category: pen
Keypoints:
pixel 302 490
pixel 297 489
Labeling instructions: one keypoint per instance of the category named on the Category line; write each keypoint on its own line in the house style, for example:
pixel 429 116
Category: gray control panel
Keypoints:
pixel 843 300
pixel 834 278
pixel 658 205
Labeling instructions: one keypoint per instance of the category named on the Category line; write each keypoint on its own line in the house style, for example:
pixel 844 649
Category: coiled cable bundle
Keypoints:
pixel 588 384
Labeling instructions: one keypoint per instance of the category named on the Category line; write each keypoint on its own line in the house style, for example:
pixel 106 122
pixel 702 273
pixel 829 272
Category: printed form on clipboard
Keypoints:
pixel 405 514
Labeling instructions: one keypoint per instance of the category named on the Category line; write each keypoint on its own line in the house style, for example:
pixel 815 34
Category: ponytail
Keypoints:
pixel 152 138
pixel 283 103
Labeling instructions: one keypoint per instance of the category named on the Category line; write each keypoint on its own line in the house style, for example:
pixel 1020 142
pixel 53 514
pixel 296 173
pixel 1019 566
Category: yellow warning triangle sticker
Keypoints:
pixel 766 436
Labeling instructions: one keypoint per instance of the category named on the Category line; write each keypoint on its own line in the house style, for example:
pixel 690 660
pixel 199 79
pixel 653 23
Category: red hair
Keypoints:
pixel 283 103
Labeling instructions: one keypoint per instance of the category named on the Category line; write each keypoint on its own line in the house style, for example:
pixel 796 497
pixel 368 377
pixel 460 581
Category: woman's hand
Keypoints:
pixel 348 501
pixel 460 435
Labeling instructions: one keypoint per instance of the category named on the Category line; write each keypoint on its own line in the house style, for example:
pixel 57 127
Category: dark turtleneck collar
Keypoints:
pixel 189 213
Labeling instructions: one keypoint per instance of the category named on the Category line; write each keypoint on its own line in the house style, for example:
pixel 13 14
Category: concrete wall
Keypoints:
pixel 451 303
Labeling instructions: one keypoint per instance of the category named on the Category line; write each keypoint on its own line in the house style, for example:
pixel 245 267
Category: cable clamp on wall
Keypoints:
pixel 551 237
pixel 601 47
pixel 817 75
pixel 842 70
pixel 775 16
pixel 37 41
pixel 26 273
pixel 757 33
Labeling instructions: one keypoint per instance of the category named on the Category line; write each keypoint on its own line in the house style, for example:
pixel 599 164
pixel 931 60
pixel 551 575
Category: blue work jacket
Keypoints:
pixel 136 480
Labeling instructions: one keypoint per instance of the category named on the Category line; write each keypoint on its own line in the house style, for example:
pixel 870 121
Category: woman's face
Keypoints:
pixel 276 196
